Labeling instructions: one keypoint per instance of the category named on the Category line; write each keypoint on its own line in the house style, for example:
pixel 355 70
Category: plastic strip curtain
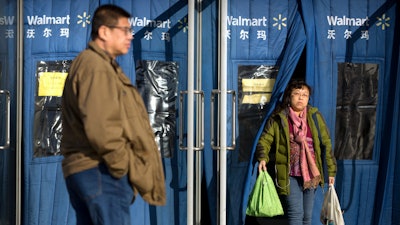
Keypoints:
pixel 47 116
pixel 157 82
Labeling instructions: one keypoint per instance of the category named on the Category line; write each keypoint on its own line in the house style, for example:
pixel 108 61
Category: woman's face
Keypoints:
pixel 299 99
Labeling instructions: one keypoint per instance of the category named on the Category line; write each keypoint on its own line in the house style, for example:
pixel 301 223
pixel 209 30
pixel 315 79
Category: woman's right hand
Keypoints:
pixel 262 166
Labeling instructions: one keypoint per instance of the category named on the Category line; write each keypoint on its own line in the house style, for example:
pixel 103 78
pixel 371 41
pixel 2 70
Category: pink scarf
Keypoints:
pixel 309 170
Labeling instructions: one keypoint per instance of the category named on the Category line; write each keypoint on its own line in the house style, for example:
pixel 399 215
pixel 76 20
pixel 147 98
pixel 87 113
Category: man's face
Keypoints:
pixel 119 39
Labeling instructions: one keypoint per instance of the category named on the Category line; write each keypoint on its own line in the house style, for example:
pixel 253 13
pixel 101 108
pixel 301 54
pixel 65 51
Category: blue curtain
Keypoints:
pixel 387 205
pixel 291 53
pixel 366 188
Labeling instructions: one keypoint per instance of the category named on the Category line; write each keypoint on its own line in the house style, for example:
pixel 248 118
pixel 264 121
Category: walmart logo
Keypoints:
pixel 84 19
pixel 383 21
pixel 183 24
pixel 279 22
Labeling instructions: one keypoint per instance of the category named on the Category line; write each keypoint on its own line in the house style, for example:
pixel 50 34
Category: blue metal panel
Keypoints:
pixel 53 31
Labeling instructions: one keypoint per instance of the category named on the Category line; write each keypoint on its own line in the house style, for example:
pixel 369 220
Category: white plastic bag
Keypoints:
pixel 331 212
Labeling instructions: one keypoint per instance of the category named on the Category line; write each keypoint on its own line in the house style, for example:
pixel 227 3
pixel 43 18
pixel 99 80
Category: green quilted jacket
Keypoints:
pixel 273 147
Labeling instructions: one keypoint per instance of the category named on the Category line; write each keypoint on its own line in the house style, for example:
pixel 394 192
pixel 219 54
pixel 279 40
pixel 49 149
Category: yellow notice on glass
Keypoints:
pixel 258 85
pixel 256 99
pixel 51 83
pixel 257 91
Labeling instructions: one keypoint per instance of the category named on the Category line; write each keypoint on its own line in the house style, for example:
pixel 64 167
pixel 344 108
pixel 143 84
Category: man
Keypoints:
pixel 107 144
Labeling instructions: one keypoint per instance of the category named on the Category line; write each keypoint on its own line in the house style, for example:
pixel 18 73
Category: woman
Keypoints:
pixel 291 146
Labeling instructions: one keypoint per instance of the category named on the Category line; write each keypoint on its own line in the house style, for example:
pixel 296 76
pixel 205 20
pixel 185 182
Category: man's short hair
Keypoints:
pixel 107 15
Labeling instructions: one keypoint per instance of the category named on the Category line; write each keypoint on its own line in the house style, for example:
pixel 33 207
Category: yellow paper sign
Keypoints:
pixel 51 83
pixel 258 85
pixel 261 99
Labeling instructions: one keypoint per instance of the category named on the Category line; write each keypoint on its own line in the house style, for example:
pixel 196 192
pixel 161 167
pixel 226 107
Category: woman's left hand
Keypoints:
pixel 331 181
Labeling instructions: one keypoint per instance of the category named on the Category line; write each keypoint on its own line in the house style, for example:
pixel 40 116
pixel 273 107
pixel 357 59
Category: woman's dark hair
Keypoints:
pixel 107 15
pixel 294 84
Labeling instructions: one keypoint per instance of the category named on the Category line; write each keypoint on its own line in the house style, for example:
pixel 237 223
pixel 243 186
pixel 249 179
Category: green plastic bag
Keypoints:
pixel 264 200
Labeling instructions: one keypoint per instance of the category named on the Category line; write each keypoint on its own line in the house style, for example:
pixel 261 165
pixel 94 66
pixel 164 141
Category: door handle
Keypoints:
pixel 7 122
pixel 199 122
pixel 216 146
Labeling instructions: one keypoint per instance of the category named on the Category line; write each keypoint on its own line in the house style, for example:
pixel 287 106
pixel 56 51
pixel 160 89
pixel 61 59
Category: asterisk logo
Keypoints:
pixel 279 21
pixel 383 21
pixel 183 24
pixel 84 19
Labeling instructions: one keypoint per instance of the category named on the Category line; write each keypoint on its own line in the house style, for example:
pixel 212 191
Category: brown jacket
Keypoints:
pixel 105 120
